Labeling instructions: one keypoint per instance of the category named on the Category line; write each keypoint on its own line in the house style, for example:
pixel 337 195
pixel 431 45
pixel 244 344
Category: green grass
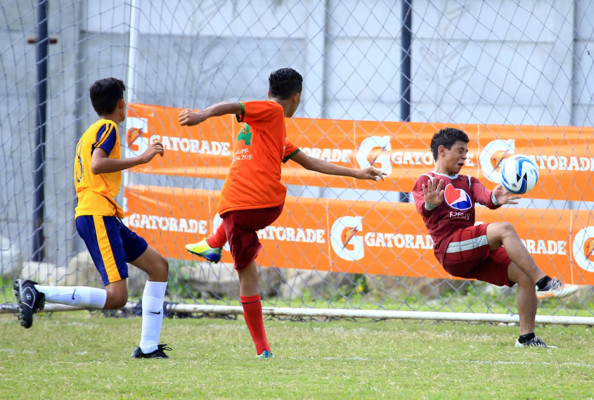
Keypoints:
pixel 76 355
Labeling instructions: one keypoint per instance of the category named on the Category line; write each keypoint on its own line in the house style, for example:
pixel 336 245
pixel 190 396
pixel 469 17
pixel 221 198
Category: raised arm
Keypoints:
pixel 325 167
pixel 188 117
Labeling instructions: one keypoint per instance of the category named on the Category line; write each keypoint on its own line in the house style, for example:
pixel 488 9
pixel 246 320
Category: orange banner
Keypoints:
pixel 356 236
pixel 562 154
pixel 564 157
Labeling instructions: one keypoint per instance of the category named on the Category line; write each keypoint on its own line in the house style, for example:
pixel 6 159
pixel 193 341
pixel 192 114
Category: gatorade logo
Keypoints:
pixel 583 248
pixel 375 151
pixel 492 155
pixel 139 137
pixel 136 139
pixel 374 154
pixel 344 238
pixel 347 235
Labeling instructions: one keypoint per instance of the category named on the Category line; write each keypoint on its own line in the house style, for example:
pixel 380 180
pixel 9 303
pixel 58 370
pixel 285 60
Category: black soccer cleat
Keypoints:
pixel 159 353
pixel 30 301
pixel 534 342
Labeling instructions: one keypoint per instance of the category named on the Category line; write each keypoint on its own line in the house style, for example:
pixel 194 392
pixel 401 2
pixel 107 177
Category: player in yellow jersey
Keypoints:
pixel 97 178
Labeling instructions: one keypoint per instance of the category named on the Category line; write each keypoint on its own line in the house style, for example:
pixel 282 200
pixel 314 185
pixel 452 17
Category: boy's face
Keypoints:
pixel 451 161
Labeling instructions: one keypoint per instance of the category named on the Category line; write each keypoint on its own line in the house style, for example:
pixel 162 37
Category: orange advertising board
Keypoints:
pixel 355 236
pixel 199 151
pixel 564 157
pixel 563 154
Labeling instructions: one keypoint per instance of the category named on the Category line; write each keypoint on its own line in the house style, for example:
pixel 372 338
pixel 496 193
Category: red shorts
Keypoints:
pixel 241 227
pixel 469 256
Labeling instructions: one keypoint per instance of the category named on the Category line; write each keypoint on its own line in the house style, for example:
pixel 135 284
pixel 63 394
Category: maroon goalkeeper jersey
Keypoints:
pixel 456 211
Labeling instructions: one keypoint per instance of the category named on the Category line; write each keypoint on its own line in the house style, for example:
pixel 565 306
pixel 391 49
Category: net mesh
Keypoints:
pixel 513 75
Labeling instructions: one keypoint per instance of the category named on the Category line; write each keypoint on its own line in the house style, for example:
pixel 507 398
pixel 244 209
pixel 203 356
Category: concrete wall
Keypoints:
pixel 473 62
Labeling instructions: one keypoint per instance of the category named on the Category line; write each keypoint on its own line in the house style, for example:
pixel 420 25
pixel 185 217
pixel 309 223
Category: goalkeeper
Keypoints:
pixel 491 252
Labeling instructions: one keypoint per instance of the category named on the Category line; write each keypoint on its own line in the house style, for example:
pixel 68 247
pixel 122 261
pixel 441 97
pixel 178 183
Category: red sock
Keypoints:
pixel 252 312
pixel 219 238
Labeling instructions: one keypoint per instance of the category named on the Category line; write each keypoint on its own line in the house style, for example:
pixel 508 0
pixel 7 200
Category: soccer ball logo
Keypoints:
pixel 519 174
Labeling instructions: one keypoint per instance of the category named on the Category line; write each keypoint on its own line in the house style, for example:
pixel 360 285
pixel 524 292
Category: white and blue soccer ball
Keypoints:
pixel 519 174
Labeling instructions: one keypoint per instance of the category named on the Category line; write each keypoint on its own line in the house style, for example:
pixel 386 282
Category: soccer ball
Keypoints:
pixel 519 174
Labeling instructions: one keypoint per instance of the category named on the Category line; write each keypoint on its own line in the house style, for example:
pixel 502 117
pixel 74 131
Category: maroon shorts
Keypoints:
pixel 469 256
pixel 241 227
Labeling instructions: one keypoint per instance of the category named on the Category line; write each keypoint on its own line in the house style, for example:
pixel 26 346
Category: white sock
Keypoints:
pixel 152 315
pixel 74 295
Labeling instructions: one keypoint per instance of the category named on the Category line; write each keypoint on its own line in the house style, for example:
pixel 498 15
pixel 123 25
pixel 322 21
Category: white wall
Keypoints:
pixel 474 61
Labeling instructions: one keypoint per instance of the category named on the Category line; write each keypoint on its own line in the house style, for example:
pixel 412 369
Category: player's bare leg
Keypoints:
pixel 527 302
pixel 248 280
pixel 153 263
pixel 503 233
pixel 117 295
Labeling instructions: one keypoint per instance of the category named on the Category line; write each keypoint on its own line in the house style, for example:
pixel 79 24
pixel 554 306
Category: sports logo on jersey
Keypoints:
pixel 245 134
pixel 458 199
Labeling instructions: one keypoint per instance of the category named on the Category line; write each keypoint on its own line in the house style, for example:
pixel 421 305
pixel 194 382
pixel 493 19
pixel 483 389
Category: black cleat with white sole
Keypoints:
pixel 159 353
pixel 30 301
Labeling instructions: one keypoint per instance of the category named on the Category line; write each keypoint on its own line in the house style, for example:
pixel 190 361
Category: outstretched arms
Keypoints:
pixel 504 197
pixel 189 117
pixel 325 167
pixel 102 164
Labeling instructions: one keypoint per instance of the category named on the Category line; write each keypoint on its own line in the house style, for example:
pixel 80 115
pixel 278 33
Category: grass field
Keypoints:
pixel 76 355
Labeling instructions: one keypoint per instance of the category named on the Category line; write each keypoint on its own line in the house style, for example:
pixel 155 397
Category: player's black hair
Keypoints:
pixel 446 137
pixel 285 82
pixel 105 94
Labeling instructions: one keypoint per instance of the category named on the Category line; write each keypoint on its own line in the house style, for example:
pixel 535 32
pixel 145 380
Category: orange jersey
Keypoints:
pixel 96 192
pixel 254 178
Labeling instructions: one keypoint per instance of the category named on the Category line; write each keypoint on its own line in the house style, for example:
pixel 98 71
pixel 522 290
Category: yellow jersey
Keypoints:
pixel 96 192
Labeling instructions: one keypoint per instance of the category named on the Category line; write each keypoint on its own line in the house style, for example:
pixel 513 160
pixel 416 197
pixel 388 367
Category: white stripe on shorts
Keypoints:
pixel 465 245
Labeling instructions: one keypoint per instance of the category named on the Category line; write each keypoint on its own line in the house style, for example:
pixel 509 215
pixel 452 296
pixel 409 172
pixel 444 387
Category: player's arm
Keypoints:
pixel 492 199
pixel 428 194
pixel 102 164
pixel 500 196
pixel 188 117
pixel 325 167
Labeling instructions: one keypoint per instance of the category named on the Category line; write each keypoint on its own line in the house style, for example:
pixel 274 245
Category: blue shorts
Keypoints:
pixel 111 244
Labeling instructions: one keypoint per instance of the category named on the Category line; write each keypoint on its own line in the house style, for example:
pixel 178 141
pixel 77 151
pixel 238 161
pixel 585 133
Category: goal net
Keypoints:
pixel 380 77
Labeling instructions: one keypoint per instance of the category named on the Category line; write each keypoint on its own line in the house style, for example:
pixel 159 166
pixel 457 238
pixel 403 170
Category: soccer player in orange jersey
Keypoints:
pixel 97 179
pixel 253 195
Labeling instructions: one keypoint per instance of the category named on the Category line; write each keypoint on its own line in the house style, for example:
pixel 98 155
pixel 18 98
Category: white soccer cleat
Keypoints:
pixel 556 289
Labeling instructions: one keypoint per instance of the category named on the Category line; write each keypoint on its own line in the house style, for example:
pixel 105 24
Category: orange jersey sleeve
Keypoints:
pixel 254 178
pixel 290 151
